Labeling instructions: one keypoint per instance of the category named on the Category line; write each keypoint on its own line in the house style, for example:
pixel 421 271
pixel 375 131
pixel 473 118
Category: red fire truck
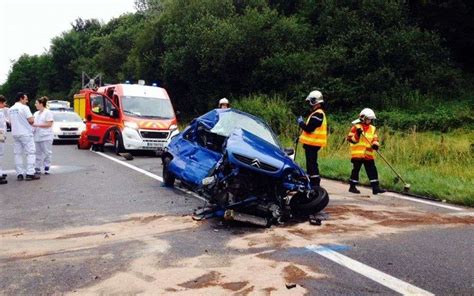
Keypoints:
pixel 129 116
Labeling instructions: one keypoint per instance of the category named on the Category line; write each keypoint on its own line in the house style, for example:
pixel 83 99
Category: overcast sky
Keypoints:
pixel 27 26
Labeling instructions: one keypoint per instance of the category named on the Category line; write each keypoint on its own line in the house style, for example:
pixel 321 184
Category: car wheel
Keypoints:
pixel 168 177
pixel 302 205
pixel 118 144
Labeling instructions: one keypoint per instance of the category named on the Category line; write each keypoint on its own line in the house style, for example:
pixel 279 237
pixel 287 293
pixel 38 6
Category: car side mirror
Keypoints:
pixel 289 151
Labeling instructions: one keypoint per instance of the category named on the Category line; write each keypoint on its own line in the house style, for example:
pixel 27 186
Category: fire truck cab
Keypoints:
pixel 129 116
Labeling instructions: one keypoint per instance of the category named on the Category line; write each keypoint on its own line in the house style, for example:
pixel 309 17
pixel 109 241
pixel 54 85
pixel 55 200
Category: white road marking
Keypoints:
pixel 147 173
pixel 378 276
pixel 419 200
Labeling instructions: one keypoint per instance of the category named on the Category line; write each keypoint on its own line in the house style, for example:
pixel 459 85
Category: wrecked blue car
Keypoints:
pixel 235 161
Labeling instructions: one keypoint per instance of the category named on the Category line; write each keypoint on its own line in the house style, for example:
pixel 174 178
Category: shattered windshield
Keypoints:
pixel 228 121
pixel 147 107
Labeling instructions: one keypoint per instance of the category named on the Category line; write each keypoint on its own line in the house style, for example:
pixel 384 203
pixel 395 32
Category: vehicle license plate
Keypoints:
pixel 154 144
pixel 69 133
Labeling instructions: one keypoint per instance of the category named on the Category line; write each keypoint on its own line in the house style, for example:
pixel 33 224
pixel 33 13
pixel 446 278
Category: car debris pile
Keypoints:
pixel 235 161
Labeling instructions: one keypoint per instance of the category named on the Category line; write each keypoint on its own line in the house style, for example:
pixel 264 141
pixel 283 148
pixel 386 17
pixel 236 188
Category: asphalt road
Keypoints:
pixel 99 226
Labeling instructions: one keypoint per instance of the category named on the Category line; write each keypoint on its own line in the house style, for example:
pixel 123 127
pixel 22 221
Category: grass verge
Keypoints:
pixel 438 165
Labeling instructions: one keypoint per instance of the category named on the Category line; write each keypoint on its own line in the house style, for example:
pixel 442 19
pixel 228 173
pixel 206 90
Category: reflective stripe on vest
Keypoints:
pixel 363 148
pixel 318 137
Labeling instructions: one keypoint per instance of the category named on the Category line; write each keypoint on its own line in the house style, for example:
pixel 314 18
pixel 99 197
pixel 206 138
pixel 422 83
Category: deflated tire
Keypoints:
pixel 301 205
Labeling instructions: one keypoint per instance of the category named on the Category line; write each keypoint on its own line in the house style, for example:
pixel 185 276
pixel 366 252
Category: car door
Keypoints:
pixel 102 117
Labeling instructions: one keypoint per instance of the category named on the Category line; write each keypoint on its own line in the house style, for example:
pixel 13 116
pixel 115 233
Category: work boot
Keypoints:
pixel 376 189
pixel 3 181
pixel 38 170
pixel 32 177
pixel 46 170
pixel 353 188
pixel 4 176
pixel 19 177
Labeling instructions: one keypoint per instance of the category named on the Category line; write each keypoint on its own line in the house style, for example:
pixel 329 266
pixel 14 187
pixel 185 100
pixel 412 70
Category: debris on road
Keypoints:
pixel 207 213
pixel 314 221
pixel 127 156
pixel 232 215
pixel 290 285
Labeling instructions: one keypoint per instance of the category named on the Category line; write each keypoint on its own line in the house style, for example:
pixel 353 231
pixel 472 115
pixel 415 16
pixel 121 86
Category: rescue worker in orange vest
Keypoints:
pixel 364 141
pixel 314 135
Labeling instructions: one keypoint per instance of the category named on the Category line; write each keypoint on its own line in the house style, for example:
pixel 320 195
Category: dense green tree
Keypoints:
pixel 453 20
pixel 24 77
pixel 359 52
pixel 115 41
pixel 69 52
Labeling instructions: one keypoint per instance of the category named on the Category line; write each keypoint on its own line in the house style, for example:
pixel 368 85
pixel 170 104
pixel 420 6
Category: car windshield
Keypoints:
pixel 147 107
pixel 66 117
pixel 228 121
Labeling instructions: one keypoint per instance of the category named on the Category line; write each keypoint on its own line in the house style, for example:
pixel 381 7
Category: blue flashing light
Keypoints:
pixel 127 82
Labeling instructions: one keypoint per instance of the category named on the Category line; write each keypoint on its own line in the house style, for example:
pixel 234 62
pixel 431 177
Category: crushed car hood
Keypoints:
pixel 249 151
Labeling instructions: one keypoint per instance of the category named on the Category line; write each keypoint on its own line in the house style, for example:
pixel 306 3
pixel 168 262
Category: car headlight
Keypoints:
pixel 131 124
pixel 173 127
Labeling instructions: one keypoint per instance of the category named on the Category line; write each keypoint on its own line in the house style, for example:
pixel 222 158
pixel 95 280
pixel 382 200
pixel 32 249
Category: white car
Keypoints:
pixel 67 126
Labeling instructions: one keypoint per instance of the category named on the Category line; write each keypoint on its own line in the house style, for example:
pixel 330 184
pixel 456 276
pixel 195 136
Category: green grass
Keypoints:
pixel 434 164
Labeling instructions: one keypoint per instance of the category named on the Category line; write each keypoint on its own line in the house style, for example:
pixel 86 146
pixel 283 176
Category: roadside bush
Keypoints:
pixel 440 118
pixel 273 109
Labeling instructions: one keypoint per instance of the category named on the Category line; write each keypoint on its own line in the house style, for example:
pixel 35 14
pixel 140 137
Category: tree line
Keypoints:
pixel 375 53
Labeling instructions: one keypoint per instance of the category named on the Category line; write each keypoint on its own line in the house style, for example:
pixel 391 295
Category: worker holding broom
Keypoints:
pixel 364 142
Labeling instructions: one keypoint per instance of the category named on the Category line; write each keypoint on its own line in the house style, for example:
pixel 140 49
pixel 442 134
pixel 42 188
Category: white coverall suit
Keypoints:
pixel 3 136
pixel 22 133
pixel 43 140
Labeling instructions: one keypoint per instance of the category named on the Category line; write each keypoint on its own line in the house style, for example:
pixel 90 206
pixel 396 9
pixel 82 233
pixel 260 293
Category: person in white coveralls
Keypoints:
pixel 3 136
pixel 21 121
pixel 43 135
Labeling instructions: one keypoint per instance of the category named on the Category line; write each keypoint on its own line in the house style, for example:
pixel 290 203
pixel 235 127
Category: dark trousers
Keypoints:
pixel 369 168
pixel 312 168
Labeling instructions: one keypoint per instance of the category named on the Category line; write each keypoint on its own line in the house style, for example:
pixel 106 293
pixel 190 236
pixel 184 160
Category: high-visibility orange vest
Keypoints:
pixel 318 137
pixel 363 148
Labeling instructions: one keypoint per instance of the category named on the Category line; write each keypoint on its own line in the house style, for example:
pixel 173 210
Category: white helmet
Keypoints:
pixel 315 97
pixel 367 113
pixel 223 101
